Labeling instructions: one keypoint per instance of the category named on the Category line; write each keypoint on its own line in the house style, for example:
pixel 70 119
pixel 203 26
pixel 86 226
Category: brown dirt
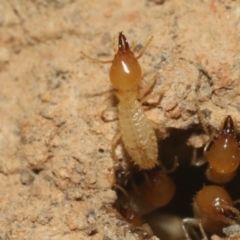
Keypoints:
pixel 55 162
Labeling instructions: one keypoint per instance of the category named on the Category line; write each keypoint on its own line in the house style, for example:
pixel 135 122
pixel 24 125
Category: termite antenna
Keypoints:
pixel 95 59
pixel 145 47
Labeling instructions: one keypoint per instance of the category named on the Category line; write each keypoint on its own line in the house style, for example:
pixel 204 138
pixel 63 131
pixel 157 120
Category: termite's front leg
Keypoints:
pixel 115 142
pixel 143 93
pixel 195 161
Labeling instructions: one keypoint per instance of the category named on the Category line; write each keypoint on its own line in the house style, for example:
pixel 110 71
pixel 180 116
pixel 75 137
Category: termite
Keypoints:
pixel 135 130
pixel 222 153
pixel 147 190
pixel 222 150
pixel 213 209
pixel 157 189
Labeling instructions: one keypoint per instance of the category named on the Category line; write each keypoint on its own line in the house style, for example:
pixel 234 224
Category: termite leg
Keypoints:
pixel 147 88
pixel 95 59
pixel 145 47
pixel 160 95
pixel 115 49
pixel 106 112
pixel 209 142
pixel 175 165
pixel 121 189
pixel 115 141
pixel 195 161
pixel 193 222
pixel 133 45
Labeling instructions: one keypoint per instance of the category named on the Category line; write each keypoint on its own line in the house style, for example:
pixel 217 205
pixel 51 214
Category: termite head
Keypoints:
pixel 125 72
pixel 211 198
pixel 214 208
pixel 158 189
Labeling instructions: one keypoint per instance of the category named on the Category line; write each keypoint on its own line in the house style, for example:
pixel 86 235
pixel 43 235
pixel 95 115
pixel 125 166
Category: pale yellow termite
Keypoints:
pixel 135 129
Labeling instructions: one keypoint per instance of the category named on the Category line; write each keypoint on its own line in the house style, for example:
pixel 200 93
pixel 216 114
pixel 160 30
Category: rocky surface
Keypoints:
pixel 55 163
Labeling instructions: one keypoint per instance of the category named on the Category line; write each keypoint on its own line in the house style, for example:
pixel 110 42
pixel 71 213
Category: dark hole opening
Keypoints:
pixel 166 221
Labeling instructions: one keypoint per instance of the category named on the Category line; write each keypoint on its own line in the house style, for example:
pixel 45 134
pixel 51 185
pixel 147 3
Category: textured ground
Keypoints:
pixel 55 162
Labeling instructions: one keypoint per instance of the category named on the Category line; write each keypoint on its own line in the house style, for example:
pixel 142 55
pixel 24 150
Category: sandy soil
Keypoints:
pixel 56 167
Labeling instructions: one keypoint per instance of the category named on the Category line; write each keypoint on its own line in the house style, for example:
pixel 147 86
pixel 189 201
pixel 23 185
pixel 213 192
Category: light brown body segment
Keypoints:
pixel 137 133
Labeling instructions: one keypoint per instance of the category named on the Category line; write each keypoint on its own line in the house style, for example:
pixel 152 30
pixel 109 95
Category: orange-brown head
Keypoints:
pixel 215 200
pixel 125 72
pixel 158 190
pixel 210 198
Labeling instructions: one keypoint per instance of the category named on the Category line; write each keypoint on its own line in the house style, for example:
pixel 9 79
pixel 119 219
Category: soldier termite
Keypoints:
pixel 222 150
pixel 222 153
pixel 213 209
pixel 135 130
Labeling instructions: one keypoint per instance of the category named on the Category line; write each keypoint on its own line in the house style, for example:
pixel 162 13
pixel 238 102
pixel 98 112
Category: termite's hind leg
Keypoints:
pixel 201 118
pixel 115 142
pixel 174 166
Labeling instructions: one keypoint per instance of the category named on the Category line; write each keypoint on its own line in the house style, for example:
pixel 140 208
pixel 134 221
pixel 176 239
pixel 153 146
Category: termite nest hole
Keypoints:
pixel 137 188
